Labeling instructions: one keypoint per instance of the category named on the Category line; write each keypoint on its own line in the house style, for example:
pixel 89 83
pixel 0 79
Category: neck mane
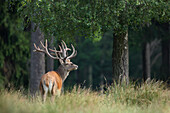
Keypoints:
pixel 62 72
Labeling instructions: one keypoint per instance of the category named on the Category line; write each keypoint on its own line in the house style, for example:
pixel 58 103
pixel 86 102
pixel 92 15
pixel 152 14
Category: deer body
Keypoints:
pixel 52 81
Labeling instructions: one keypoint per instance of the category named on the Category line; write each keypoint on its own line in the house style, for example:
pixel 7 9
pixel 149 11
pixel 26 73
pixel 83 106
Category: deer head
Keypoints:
pixel 52 81
pixel 61 55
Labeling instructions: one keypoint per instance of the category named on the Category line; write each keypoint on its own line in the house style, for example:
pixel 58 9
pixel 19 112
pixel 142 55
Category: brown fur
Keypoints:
pixel 57 84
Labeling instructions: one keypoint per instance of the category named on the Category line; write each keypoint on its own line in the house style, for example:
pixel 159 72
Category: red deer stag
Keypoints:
pixel 51 82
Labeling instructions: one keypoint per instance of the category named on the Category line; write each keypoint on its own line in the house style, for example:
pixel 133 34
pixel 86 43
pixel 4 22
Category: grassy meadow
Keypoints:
pixel 146 98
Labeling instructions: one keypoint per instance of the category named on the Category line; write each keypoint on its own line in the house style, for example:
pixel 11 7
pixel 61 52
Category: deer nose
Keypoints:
pixel 76 67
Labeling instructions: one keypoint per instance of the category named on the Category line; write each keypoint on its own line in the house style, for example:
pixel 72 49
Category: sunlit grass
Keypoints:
pixel 146 98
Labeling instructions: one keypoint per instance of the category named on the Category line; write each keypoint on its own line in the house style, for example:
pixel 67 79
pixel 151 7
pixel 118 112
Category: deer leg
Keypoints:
pixel 44 96
pixel 53 95
pixel 53 92
pixel 42 91
pixel 52 98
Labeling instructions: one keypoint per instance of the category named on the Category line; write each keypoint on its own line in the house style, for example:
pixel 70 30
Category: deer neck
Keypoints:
pixel 62 72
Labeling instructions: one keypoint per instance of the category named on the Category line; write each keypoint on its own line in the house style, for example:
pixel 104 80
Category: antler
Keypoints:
pixel 63 51
pixel 74 53
pixel 45 50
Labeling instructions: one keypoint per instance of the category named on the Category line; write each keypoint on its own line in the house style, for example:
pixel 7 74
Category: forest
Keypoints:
pixel 123 54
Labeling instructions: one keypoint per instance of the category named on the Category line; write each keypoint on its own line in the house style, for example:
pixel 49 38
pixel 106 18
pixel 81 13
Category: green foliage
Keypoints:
pixel 67 18
pixel 14 46
pixel 148 98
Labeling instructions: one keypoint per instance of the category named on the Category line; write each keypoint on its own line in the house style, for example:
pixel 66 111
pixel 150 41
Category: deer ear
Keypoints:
pixel 61 61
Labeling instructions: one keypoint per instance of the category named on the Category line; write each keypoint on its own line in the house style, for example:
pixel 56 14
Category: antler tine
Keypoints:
pixel 56 53
pixel 64 49
pixel 56 50
pixel 37 49
pixel 42 44
pixel 60 48
pixel 74 53
pixel 66 46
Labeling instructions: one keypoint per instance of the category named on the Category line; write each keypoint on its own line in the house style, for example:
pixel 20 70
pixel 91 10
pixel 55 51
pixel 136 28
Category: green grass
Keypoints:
pixel 147 98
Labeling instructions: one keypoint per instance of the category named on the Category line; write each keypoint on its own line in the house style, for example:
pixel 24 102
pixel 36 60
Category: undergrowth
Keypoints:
pixel 153 97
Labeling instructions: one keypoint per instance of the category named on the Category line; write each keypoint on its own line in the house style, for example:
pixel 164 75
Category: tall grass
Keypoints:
pixel 146 98
pixel 145 94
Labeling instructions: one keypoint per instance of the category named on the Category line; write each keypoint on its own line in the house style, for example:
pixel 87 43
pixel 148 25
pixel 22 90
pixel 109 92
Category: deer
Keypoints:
pixel 51 82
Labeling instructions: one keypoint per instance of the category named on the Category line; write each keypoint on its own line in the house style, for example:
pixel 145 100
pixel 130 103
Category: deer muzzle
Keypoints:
pixel 76 67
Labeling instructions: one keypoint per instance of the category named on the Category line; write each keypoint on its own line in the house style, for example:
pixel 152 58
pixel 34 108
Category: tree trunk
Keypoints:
pixel 120 58
pixel 37 61
pixel 50 61
pixel 165 59
pixel 146 61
